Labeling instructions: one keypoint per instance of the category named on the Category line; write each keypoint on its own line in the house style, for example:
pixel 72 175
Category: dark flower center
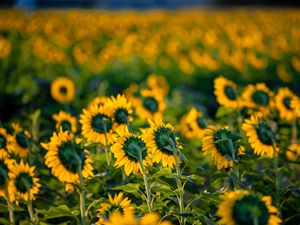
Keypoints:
pixel 201 122
pixel 230 92
pixel 249 207
pixel 71 155
pixel 121 116
pixel 101 123
pixel 222 139
pixel 66 125
pixel 63 90
pixel 264 133
pixel 24 182
pixel 22 139
pixel 165 140
pixel 114 208
pixel 2 141
pixel 150 104
pixel 287 102
pixel 261 98
pixel 135 148
pixel 3 174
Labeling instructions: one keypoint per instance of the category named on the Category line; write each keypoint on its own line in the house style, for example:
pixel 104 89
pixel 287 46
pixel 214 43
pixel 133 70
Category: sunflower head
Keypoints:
pixel 283 101
pixel 293 152
pixel 3 139
pixel 158 83
pixel 5 165
pixel 226 92
pixel 24 181
pixel 65 121
pixel 99 101
pixel 62 90
pixel 244 208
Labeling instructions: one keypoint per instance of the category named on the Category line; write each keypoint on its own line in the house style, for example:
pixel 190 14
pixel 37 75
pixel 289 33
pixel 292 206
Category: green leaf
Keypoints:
pixel 166 172
pixel 197 178
pixel 129 188
pixel 59 211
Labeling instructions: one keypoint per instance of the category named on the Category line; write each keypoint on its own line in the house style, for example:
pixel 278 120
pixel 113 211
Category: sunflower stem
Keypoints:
pixel 107 152
pixel 294 132
pixel 275 162
pixel 236 182
pixel 239 119
pixel 10 206
pixel 146 183
pixel 30 209
pixel 255 220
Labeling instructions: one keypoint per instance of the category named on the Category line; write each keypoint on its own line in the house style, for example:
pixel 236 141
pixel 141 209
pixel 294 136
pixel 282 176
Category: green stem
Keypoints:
pixel 255 221
pixel 239 119
pixel 294 132
pixel 30 209
pixel 107 152
pixel 9 206
pixel 236 183
pixel 275 162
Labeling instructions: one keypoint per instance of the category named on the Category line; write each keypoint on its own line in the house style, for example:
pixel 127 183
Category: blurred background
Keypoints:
pixel 119 4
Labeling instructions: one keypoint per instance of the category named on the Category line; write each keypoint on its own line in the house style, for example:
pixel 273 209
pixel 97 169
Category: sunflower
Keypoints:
pixel 129 219
pixel 18 143
pixel 158 138
pixel 116 204
pixel 283 103
pixel 241 207
pixel 65 155
pixel 158 83
pixel 293 152
pixel 4 138
pixel 121 109
pixel 133 93
pixel 295 105
pixel 226 92
pixel 258 97
pixel 99 101
pixel 62 89
pixel 151 105
pixel 222 144
pixel 65 121
pixel 25 183
pixel 128 148
pixel 192 124
pixel 97 124
pixel 5 165
pixel 260 135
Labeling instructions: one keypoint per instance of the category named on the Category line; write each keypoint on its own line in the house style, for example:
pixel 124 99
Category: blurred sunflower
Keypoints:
pixel 283 103
pixel 295 105
pixel 221 144
pixel 62 90
pixel 258 97
pixel 133 93
pixel 244 208
pixel 260 135
pixel 116 204
pixel 161 139
pixel 192 124
pixel 293 152
pixel 4 137
pixel 97 124
pixel 65 156
pixel 99 101
pixel 127 149
pixel 151 105
pixel 19 141
pixel 158 83
pixel 5 165
pixel 121 109
pixel 129 219
pixel 66 121
pixel 226 92
pixel 25 184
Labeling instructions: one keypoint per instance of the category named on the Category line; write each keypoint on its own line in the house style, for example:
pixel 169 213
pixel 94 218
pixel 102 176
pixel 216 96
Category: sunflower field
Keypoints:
pixel 181 117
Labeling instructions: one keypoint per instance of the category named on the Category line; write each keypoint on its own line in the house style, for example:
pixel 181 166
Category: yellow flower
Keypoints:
pixel 295 105
pixel 99 101
pixel 160 139
pixel 128 149
pixel 97 124
pixel 25 184
pixel 65 121
pixel 242 207
pixel 5 165
pixel 19 141
pixel 283 103
pixel 151 105
pixel 158 83
pixel 217 141
pixel 133 93
pixel 65 156
pixel 152 219
pixel 293 152
pixel 121 110
pixel 116 204
pixel 192 124
pixel 4 138
pixel 260 135
pixel 62 90
pixel 258 97
pixel 226 92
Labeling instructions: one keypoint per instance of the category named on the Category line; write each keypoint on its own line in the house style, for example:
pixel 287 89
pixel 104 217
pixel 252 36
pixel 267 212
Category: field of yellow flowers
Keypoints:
pixel 181 117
